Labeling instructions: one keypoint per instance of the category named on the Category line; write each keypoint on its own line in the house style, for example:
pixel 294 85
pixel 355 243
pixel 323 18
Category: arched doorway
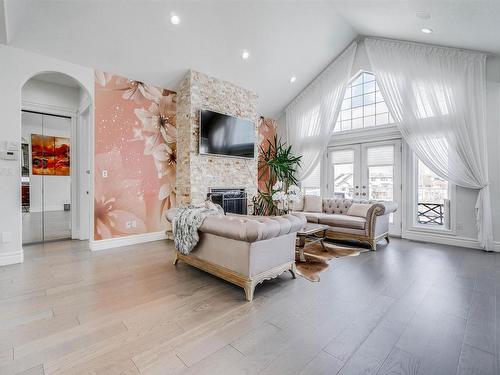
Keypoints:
pixel 55 158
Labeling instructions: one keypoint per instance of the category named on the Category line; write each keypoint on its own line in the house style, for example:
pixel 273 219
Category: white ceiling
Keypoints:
pixel 285 37
pixel 471 24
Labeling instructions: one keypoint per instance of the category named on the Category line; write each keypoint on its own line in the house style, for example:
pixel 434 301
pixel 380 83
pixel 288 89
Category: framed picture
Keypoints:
pixel 50 155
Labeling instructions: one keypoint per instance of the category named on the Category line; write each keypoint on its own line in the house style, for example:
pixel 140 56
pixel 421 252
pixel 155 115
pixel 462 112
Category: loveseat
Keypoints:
pixel 245 250
pixel 365 221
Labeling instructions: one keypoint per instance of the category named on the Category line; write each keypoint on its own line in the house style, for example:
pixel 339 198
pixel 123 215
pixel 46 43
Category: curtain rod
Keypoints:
pixel 360 38
pixel 363 37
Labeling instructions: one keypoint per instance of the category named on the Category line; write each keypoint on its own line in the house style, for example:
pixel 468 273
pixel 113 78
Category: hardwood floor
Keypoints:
pixel 409 308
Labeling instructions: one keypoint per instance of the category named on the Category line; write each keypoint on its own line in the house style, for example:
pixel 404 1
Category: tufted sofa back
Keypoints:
pixel 340 206
pixel 336 205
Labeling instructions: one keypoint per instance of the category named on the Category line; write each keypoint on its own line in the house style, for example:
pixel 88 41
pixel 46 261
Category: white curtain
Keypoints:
pixel 437 97
pixel 311 117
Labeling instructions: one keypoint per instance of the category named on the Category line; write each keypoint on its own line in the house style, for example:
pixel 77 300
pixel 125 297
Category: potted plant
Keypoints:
pixel 282 196
pixel 277 168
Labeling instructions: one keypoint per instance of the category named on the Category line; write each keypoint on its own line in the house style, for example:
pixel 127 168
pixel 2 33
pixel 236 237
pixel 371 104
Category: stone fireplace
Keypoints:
pixel 198 174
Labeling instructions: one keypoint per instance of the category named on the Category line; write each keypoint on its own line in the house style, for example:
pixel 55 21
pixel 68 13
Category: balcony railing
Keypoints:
pixel 430 213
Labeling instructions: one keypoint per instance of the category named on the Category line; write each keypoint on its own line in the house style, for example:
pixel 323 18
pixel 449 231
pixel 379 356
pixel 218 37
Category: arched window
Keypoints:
pixel 363 105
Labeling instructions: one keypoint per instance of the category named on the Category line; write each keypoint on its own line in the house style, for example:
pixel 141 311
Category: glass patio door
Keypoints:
pixel 369 171
pixel 345 168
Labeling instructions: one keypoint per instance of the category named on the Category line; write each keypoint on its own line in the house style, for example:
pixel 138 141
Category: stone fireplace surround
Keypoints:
pixel 196 173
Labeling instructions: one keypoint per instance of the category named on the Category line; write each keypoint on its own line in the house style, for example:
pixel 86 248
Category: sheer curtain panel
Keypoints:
pixel 437 97
pixel 310 118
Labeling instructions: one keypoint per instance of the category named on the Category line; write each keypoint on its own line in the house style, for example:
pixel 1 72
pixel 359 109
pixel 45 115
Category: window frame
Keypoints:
pixel 414 225
pixel 351 131
pixel 330 183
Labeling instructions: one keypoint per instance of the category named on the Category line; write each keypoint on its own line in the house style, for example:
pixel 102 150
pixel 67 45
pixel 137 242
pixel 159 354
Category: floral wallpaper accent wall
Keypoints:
pixel 135 156
pixel 267 130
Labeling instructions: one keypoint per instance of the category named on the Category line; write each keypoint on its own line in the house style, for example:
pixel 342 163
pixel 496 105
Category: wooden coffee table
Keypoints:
pixel 310 234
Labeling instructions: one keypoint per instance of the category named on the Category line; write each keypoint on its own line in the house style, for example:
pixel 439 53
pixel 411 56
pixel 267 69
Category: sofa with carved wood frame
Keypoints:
pixel 245 250
pixel 366 221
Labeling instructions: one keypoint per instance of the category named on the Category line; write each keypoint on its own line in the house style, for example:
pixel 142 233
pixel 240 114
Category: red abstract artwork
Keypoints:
pixel 50 155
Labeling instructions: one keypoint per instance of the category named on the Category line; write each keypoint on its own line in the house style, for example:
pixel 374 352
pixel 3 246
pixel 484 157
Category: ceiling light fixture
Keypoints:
pixel 426 30
pixel 293 79
pixel 175 19
pixel 245 55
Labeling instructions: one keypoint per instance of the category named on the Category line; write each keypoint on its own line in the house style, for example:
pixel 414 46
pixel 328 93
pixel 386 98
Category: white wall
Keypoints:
pixel 465 198
pixel 16 67
pixel 51 94
pixel 493 97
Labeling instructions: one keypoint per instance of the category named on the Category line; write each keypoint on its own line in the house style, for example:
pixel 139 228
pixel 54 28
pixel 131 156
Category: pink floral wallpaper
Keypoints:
pixel 135 156
pixel 267 131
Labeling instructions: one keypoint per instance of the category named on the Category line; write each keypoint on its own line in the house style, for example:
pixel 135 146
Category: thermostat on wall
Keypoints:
pixel 8 155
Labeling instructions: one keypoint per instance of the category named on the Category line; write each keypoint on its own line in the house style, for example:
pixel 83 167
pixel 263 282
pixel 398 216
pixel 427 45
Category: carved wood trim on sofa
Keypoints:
pixel 247 283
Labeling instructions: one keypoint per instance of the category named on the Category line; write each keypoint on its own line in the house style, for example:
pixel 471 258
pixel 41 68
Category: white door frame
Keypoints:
pixel 396 225
pixel 75 140
pixel 84 169
pixel 356 148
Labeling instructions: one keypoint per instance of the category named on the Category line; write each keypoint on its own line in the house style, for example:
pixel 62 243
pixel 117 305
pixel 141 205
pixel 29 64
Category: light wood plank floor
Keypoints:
pixel 409 308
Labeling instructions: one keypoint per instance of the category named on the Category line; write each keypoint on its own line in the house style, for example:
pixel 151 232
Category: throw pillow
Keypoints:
pixel 297 206
pixel 359 209
pixel 313 203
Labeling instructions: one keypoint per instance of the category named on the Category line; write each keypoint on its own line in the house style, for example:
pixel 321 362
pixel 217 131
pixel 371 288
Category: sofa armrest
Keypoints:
pixel 387 208
pixel 381 208
pixel 377 224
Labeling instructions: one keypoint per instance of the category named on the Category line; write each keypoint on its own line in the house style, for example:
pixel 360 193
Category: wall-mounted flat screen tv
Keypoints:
pixel 226 135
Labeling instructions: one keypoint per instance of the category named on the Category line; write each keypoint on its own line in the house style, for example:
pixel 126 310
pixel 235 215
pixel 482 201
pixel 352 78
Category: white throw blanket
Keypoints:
pixel 186 222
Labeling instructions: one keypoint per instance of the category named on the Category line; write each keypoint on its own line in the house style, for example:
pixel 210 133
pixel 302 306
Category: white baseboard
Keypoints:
pixel 445 239
pixel 13 257
pixel 497 246
pixel 126 241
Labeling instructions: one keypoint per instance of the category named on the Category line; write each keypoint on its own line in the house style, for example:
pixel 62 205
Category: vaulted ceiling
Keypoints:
pixel 284 37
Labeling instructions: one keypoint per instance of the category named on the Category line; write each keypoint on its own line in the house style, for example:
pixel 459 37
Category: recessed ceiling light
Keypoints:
pixel 426 30
pixel 245 55
pixel 293 79
pixel 175 19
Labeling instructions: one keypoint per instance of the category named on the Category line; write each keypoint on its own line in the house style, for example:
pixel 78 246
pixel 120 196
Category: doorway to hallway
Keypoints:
pixel 55 159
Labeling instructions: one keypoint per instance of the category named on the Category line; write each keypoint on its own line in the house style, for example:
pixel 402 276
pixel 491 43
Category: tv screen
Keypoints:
pixel 226 135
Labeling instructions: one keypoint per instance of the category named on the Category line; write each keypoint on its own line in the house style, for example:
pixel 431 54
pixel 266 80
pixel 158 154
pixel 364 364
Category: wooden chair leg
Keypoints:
pixel 373 245
pixel 176 259
pixel 293 271
pixel 249 289
pixel 387 238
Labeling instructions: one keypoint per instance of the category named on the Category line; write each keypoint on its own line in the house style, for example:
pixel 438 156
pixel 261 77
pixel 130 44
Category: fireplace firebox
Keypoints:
pixel 232 200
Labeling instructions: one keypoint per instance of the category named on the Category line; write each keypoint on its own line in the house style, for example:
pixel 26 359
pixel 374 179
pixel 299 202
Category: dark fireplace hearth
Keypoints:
pixel 230 199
